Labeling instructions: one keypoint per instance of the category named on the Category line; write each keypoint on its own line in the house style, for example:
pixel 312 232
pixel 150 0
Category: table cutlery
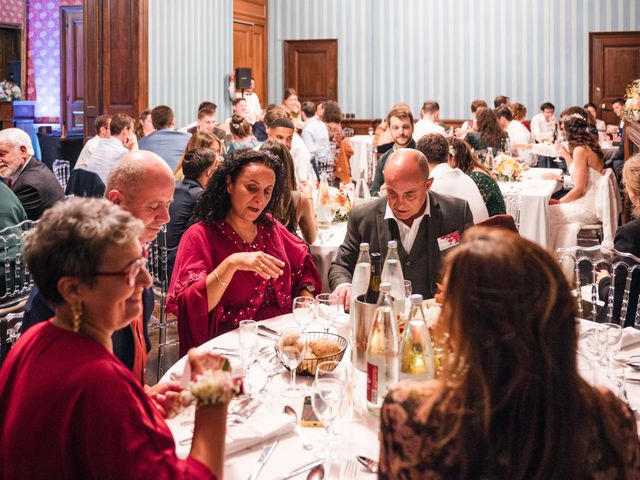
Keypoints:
pixel 350 470
pixel 315 467
pixel 306 444
pixel 268 330
pixel 368 463
pixel 264 457
pixel 334 472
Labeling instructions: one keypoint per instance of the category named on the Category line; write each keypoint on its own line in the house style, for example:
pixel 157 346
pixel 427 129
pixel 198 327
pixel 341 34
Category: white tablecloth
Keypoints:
pixel 360 145
pixel 535 193
pixel 325 249
pixel 360 436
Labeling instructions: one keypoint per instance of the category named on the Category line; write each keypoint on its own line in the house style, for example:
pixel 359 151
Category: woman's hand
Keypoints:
pixel 554 201
pixel 263 264
pixel 163 396
pixel 201 361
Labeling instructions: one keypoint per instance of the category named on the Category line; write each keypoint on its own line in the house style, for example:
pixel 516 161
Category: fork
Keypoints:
pixel 350 470
pixel 334 472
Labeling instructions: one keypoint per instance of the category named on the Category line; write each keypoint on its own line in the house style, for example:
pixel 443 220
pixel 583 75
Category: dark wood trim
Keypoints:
pixel 63 69
pixel 23 48
pixel 631 147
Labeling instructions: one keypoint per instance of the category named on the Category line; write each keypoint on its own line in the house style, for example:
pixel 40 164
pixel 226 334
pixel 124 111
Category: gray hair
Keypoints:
pixel 70 240
pixel 128 174
pixel 18 138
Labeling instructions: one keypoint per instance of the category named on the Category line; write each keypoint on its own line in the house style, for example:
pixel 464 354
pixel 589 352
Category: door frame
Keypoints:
pixel 63 69
pixel 288 50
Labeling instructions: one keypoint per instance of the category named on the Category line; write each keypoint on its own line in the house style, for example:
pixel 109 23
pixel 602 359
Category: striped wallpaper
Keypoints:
pixel 190 55
pixel 450 50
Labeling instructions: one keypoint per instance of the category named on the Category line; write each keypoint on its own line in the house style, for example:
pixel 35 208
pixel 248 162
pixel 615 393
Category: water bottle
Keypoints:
pixel 392 273
pixel 362 190
pixel 416 351
pixel 360 279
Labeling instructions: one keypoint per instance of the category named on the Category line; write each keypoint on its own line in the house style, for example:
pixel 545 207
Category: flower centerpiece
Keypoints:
pixel 632 105
pixel 340 199
pixel 9 91
pixel 507 168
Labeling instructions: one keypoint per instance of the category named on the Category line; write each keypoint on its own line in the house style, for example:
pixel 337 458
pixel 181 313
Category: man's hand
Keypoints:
pixel 600 274
pixel 344 296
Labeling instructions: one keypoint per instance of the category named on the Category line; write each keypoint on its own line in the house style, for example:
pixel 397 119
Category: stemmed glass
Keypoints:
pixel 327 308
pixel 329 389
pixel 614 343
pixel 291 346
pixel 270 363
pixel 304 311
pixel 592 348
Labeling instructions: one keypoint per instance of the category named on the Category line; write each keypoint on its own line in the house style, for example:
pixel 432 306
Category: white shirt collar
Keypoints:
pixel 388 213
pixel 15 176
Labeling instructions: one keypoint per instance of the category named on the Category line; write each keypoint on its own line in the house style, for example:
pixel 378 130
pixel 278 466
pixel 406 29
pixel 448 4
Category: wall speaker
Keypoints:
pixel 243 78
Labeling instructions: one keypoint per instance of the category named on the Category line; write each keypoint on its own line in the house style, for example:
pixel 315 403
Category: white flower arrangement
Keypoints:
pixel 507 168
pixel 9 91
pixel 632 104
pixel 211 387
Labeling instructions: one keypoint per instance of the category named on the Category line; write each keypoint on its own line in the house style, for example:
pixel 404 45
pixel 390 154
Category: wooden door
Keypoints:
pixel 72 70
pixel 614 60
pixel 311 67
pixel 249 51
pixel 9 49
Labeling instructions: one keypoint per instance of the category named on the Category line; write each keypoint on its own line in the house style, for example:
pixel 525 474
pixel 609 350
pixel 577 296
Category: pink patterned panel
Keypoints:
pixel 11 11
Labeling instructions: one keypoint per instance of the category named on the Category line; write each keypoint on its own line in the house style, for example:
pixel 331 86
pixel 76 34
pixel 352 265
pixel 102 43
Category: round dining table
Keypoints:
pixel 358 433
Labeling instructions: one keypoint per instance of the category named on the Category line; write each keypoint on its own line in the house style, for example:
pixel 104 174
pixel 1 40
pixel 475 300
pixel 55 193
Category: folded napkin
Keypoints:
pixel 262 426
pixel 630 337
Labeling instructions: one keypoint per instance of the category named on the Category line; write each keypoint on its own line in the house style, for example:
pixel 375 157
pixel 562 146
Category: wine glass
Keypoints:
pixel 270 363
pixel 291 346
pixel 327 308
pixel 614 343
pixel 329 389
pixel 591 347
pixel 304 311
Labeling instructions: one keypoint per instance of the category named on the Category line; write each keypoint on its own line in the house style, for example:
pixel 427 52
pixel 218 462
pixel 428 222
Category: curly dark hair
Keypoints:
pixel 490 130
pixel 578 135
pixel 215 201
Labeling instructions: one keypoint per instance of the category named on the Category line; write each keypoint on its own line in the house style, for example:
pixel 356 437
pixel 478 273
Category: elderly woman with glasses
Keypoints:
pixel 68 407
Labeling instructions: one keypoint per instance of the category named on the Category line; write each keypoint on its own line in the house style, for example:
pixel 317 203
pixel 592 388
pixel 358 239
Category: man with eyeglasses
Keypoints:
pixel 143 184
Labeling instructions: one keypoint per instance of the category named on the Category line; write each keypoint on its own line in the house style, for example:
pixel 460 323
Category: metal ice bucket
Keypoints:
pixel 363 316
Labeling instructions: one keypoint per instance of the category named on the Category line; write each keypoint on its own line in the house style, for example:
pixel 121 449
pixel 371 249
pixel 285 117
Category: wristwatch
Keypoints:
pixel 309 287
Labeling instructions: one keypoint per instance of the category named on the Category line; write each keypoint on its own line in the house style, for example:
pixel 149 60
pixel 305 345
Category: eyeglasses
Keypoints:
pixel 131 271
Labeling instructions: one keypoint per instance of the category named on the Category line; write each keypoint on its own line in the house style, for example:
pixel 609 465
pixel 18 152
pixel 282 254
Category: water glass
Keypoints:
pixel 291 347
pixel 614 342
pixel 327 308
pixel 593 348
pixel 248 340
pixel 304 311
pixel 271 365
pixel 329 389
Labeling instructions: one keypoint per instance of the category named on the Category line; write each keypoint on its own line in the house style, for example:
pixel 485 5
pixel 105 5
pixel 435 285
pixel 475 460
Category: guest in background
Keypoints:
pixel 471 124
pixel 242 135
pixel 166 142
pixel 198 166
pixel 518 134
pixel 578 207
pixel 601 126
pixel 291 104
pixel 295 208
pixel 427 122
pixel 64 397
pixel 463 157
pixel 511 318
pixel 544 124
pixel 239 108
pixel 112 149
pixel 33 183
pixel 315 135
pixel 237 262
pixel 448 179
pixel 280 129
pixel 320 110
pixel 199 140
pixel 11 213
pixel 254 110
pixel 102 131
pixel 488 132
pixel 501 101
pixel 144 125
pixel 400 122
pixel 206 121
pixel 627 240
pixel 519 112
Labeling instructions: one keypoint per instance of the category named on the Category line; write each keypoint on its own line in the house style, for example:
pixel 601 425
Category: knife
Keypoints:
pixel 264 456
pixel 269 330
pixel 300 470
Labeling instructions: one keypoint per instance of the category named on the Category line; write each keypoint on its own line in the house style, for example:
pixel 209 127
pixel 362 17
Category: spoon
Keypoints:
pixel 305 443
pixel 316 473
pixel 368 463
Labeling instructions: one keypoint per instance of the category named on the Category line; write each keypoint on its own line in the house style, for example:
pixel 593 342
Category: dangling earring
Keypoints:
pixel 76 312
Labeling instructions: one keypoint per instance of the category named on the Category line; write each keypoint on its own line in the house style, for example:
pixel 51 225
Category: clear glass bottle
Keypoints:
pixel 416 349
pixel 360 279
pixel 392 273
pixel 489 159
pixel 373 290
pixel 323 201
pixel 382 353
pixel 361 191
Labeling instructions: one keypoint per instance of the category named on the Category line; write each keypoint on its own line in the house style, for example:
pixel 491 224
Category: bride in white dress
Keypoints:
pixel 578 207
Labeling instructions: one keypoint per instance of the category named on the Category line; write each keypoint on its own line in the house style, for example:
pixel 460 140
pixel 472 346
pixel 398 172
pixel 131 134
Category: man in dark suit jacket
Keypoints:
pixel 31 180
pixel 198 167
pixel 424 223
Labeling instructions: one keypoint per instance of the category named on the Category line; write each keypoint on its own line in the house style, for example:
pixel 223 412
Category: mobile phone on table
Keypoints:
pixel 308 418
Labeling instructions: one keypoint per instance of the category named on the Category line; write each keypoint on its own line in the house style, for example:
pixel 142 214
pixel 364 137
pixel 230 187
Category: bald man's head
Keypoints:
pixel 143 184
pixel 406 176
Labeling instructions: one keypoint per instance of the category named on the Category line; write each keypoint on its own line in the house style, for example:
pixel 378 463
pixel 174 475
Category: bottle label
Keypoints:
pixel 372 383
